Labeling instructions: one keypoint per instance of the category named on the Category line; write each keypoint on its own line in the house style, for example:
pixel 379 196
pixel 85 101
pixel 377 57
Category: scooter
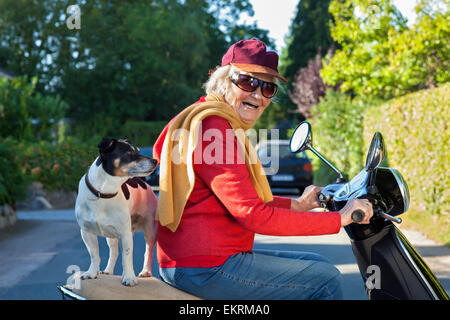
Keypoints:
pixel 390 266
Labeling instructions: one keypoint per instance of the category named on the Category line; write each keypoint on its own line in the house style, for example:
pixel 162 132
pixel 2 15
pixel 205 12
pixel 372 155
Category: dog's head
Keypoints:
pixel 120 158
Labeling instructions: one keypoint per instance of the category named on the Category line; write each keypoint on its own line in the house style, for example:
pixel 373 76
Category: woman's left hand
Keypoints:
pixel 308 200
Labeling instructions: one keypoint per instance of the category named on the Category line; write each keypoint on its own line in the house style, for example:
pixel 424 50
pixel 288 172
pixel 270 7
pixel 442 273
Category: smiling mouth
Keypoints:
pixel 249 105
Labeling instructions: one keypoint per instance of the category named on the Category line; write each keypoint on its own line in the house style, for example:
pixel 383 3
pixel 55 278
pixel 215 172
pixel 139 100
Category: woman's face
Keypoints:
pixel 250 105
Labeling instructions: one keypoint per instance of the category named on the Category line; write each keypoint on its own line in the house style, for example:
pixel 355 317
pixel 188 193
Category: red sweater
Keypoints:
pixel 224 212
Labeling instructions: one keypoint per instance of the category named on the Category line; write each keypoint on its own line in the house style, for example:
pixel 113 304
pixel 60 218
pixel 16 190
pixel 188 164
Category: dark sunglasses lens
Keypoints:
pixel 246 83
pixel 269 89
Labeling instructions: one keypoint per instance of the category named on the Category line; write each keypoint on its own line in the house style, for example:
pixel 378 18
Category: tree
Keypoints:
pixel 27 38
pixel 309 31
pixel 307 86
pixel 380 55
pixel 131 59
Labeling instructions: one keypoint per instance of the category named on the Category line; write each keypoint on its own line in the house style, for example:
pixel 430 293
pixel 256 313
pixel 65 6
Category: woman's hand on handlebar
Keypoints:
pixel 308 200
pixel 356 204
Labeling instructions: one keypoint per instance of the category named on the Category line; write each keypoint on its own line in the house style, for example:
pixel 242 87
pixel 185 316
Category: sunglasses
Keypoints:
pixel 248 83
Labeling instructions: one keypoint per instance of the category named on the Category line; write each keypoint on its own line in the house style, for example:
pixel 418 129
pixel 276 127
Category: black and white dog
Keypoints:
pixel 114 201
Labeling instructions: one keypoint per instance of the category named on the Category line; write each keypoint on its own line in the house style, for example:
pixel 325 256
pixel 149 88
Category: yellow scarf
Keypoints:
pixel 176 168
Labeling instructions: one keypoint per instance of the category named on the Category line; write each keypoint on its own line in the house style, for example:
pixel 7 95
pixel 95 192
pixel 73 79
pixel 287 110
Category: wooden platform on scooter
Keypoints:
pixel 109 287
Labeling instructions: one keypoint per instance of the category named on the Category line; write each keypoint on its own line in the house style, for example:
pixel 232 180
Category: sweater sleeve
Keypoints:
pixel 231 184
pixel 280 202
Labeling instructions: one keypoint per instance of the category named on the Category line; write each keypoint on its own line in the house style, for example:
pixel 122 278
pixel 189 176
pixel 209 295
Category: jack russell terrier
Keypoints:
pixel 107 207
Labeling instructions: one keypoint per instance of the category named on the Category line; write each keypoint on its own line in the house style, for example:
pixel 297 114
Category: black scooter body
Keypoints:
pixel 403 273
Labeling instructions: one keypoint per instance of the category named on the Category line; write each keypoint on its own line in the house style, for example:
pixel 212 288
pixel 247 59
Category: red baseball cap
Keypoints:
pixel 252 56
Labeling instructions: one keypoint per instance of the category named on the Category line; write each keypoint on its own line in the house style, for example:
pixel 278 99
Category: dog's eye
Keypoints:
pixel 132 153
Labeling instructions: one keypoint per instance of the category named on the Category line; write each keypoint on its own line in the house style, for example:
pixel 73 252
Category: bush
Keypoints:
pixel 142 133
pixel 57 166
pixel 416 132
pixel 337 134
pixel 26 115
pixel 12 178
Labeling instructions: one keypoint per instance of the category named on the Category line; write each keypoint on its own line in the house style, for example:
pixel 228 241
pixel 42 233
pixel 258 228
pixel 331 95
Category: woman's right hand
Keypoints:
pixel 356 204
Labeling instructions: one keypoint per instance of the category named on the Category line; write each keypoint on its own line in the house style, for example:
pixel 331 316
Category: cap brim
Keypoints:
pixel 258 69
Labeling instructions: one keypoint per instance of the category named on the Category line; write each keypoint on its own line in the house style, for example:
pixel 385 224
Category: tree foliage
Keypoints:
pixel 338 123
pixel 380 55
pixel 308 87
pixel 130 60
pixel 309 35
pixel 12 180
pixel 309 31
pixel 28 115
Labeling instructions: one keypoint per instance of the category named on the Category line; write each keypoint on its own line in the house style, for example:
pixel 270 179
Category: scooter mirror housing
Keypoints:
pixel 376 152
pixel 301 139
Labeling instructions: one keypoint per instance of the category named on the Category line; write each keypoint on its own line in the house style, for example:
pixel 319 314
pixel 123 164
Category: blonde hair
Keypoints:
pixel 220 83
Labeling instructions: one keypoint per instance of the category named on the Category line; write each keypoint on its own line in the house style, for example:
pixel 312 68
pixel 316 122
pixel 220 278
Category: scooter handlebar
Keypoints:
pixel 357 216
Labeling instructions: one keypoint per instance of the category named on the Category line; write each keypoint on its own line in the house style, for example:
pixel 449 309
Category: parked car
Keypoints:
pixel 152 179
pixel 283 168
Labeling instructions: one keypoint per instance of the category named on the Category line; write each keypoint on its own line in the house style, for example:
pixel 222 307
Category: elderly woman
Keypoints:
pixel 214 196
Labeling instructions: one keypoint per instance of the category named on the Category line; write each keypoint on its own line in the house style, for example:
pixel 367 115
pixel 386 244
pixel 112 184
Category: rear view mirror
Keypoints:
pixel 376 152
pixel 301 138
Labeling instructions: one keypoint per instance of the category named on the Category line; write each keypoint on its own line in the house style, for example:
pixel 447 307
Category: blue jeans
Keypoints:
pixel 261 274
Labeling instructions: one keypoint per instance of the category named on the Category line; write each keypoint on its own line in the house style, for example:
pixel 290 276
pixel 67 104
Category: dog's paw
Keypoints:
pixel 129 281
pixel 88 275
pixel 104 272
pixel 145 274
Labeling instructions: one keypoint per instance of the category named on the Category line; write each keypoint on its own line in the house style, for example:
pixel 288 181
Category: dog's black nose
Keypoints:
pixel 155 162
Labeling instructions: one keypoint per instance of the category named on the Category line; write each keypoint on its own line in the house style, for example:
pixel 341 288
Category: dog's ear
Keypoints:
pixel 106 145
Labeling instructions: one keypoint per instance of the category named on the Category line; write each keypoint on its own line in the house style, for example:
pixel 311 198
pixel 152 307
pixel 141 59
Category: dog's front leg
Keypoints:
pixel 113 244
pixel 128 276
pixel 91 242
pixel 146 268
pixel 150 233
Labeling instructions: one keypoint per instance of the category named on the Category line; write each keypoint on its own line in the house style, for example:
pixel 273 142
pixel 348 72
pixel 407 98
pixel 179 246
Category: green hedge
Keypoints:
pixel 416 132
pixel 57 166
pixel 142 133
pixel 337 134
pixel 13 180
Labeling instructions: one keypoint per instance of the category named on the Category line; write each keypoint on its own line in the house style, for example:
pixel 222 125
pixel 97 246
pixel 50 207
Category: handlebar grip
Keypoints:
pixel 357 216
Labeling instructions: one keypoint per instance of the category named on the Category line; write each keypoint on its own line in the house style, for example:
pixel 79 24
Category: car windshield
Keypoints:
pixel 270 150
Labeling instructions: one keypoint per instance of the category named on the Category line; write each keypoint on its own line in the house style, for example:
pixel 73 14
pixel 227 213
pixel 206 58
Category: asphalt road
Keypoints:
pixel 41 251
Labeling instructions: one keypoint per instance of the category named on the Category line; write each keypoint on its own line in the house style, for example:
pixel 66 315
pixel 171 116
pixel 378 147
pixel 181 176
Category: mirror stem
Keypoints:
pixel 371 187
pixel 341 176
